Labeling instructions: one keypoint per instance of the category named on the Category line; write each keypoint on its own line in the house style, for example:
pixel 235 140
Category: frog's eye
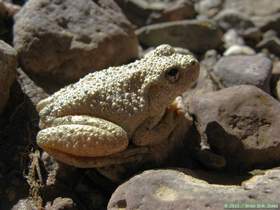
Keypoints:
pixel 172 75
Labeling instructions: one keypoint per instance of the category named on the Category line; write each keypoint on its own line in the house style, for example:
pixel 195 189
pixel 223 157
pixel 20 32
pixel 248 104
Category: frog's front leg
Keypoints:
pixel 147 135
pixel 83 136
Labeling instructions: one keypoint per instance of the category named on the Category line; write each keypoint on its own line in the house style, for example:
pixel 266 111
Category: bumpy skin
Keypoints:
pixel 93 122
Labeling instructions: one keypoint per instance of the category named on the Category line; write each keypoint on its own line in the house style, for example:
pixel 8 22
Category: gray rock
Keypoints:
pixel 277 90
pixel 170 189
pixel 244 69
pixel 209 8
pixel 30 88
pixel 231 37
pixel 232 19
pixel 143 12
pixel 254 7
pixel 195 35
pixel 275 79
pixel 270 43
pixel 60 204
pixel 8 64
pixel 259 11
pixel 271 22
pixel 64 40
pixel 239 50
pixel 252 36
pixel 240 123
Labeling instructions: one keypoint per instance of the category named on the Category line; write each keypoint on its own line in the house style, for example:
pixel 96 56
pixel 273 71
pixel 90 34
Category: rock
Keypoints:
pixel 272 43
pixel 240 123
pixel 30 88
pixel 209 8
pixel 252 36
pixel 259 11
pixel 239 50
pixel 23 204
pixel 60 203
pixel 170 189
pixel 271 22
pixel 178 10
pixel 231 37
pixel 244 69
pixel 253 7
pixel 195 35
pixel 275 79
pixel 277 90
pixel 145 12
pixel 7 72
pixel 8 9
pixel 65 40
pixel 232 19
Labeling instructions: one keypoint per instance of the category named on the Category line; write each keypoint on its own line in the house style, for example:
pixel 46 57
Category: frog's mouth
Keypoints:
pixel 131 154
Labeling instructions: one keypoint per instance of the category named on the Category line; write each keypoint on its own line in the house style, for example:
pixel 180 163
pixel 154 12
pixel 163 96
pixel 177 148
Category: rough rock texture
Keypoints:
pixel 142 12
pixel 240 123
pixel 240 70
pixel 271 23
pixel 259 11
pixel 65 40
pixel 170 189
pixel 195 35
pixel 208 8
pixel 231 37
pixel 30 88
pixel 8 63
pixel 231 18
pixel 270 43
pixel 7 10
pixel 254 7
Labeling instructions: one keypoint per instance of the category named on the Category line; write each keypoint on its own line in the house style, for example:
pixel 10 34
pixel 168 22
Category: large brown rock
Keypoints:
pixel 65 40
pixel 143 12
pixel 8 64
pixel 170 189
pixel 195 35
pixel 240 123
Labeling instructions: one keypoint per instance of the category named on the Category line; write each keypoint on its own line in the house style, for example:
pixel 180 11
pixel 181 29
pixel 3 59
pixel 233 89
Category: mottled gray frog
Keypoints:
pixel 92 122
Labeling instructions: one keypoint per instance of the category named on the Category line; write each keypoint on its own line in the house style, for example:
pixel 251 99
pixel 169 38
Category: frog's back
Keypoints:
pixel 114 94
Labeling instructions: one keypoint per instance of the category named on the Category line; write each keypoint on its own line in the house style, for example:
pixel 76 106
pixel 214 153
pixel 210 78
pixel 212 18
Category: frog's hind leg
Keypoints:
pixel 83 136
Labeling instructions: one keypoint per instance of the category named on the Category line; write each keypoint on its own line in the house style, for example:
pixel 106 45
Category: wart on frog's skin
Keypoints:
pixel 102 114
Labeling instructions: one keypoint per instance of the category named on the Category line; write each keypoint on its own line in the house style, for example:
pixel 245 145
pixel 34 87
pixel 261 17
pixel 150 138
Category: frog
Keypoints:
pixel 115 115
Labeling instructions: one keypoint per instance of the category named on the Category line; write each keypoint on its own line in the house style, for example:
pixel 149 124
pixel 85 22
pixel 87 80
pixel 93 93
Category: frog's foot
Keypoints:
pixel 147 135
pixel 82 137
pixel 129 155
